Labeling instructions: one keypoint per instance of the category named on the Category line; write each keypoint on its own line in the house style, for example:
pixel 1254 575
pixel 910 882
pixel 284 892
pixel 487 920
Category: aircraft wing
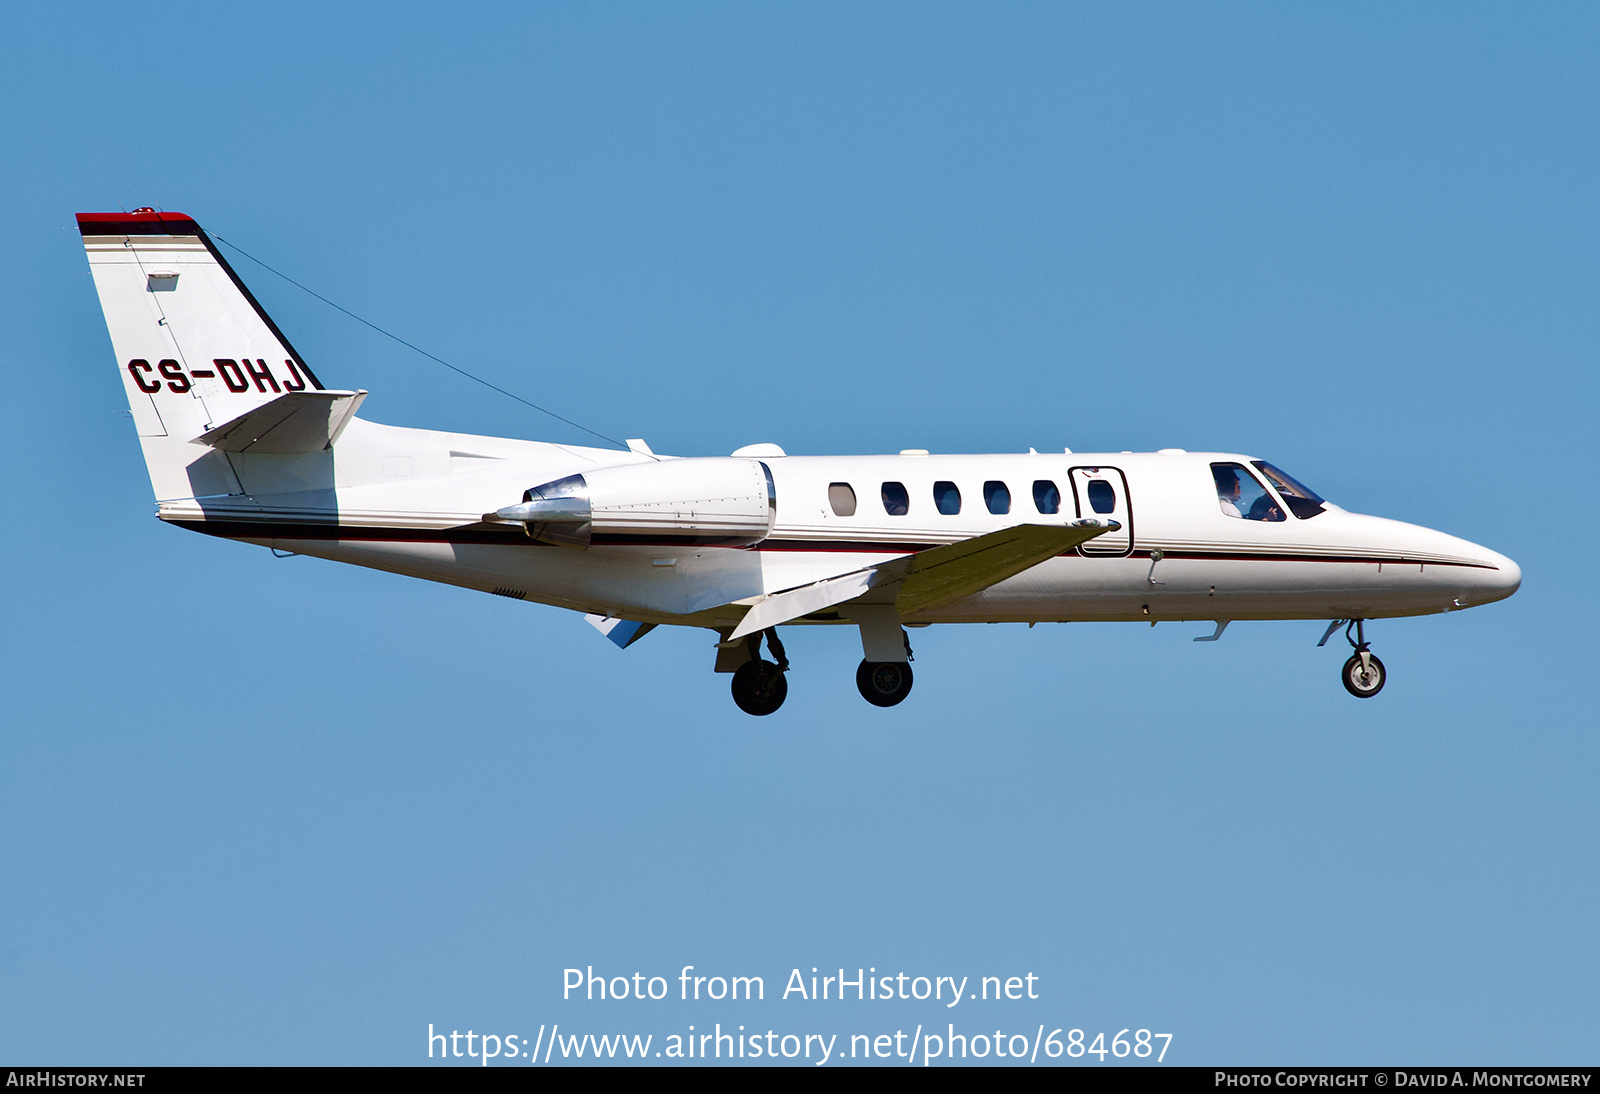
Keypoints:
pixel 943 575
pixel 927 579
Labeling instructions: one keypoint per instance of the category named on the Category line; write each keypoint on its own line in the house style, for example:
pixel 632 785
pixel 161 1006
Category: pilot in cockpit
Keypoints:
pixel 1227 489
pixel 1240 495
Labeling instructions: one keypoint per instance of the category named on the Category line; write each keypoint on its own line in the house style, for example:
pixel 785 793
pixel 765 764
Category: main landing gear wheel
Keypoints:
pixel 759 687
pixel 1363 681
pixel 884 683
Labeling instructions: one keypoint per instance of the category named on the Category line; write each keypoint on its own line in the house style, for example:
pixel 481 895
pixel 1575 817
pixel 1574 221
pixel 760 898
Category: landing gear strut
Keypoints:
pixel 759 687
pixel 1363 674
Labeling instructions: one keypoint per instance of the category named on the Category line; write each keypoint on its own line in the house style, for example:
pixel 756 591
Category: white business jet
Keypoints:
pixel 242 441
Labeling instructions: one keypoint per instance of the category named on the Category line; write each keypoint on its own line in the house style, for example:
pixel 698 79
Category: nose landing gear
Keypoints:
pixel 1363 675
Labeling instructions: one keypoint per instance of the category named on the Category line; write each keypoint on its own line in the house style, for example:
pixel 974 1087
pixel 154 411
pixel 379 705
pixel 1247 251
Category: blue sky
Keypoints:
pixel 263 811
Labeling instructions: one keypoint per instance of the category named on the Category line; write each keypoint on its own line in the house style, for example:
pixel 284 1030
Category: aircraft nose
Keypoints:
pixel 1496 578
pixel 1509 577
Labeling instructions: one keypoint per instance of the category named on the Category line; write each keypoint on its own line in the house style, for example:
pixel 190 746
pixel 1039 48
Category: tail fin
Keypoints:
pixel 198 355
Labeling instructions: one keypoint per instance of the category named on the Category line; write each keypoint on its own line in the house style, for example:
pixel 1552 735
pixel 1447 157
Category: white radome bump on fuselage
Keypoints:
pixel 423 503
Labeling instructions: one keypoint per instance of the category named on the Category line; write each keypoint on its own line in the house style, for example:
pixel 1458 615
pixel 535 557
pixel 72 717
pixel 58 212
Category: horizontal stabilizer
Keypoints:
pixel 299 422
pixel 931 578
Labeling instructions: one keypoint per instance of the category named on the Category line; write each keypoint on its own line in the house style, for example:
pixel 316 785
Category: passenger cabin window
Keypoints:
pixel 946 498
pixel 843 499
pixel 1240 494
pixel 1046 498
pixel 1102 499
pixel 1302 502
pixel 997 498
pixel 895 499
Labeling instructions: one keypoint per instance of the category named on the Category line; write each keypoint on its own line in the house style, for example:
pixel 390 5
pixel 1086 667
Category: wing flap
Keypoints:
pixel 777 608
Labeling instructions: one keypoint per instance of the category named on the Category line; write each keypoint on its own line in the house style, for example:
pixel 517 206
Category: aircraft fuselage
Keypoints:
pixel 1176 556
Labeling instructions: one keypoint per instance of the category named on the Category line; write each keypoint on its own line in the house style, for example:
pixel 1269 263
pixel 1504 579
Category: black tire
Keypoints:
pixel 759 688
pixel 884 683
pixel 1363 685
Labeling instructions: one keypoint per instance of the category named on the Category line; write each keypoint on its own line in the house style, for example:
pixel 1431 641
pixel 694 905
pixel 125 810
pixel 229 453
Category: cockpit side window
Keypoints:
pixel 1240 494
pixel 1302 502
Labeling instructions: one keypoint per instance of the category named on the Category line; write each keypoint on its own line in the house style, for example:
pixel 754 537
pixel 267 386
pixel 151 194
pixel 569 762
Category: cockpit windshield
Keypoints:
pixel 1302 502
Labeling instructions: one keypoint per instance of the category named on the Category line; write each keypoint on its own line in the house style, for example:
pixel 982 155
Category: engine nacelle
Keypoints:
pixel 721 500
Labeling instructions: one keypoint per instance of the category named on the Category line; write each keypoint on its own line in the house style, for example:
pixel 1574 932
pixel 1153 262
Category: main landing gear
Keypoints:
pixel 884 683
pixel 759 687
pixel 1363 675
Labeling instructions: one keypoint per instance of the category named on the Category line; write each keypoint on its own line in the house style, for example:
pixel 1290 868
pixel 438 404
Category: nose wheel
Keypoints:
pixel 884 683
pixel 1363 675
pixel 1363 680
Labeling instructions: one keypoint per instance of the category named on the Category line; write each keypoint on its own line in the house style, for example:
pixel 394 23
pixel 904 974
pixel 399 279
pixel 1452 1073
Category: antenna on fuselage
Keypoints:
pixel 419 349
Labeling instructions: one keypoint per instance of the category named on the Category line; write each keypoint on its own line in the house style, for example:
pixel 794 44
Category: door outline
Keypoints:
pixel 1079 502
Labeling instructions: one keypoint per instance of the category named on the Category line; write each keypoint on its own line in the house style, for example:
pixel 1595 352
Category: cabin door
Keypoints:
pixel 1102 493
